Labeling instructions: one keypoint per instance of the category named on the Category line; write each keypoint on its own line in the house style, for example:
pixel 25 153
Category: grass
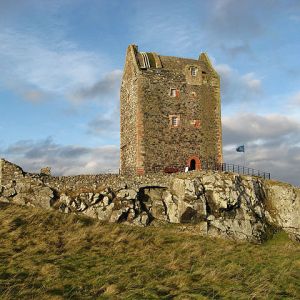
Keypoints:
pixel 48 255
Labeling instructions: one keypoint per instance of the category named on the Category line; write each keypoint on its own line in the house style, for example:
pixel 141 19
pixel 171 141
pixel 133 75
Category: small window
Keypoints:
pixel 174 120
pixel 204 77
pixel 174 92
pixel 193 71
pixel 193 94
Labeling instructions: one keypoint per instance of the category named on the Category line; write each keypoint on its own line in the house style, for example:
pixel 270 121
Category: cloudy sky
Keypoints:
pixel 61 63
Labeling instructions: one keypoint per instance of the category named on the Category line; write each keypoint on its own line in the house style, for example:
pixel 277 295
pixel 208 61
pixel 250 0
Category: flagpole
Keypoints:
pixel 242 158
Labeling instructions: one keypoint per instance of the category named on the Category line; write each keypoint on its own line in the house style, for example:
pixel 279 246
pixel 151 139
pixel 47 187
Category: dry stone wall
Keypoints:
pixel 216 204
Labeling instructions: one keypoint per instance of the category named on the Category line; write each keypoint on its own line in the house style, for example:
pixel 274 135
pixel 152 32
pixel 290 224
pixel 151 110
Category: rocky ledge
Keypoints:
pixel 217 204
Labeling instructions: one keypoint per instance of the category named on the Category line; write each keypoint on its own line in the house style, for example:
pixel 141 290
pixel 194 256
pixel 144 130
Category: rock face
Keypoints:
pixel 221 204
pixel 282 203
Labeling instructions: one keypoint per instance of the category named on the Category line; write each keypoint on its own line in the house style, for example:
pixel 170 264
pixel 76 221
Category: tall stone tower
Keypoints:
pixel 170 113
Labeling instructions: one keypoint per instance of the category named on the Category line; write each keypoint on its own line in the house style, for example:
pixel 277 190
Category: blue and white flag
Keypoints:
pixel 240 148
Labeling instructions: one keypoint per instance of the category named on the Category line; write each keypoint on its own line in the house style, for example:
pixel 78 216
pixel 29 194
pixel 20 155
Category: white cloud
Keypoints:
pixel 246 128
pixel 169 31
pixel 63 159
pixel 272 143
pixel 28 62
pixel 236 87
pixel 109 85
pixel 251 82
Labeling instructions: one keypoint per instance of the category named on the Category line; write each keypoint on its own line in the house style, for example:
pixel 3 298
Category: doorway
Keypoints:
pixel 193 165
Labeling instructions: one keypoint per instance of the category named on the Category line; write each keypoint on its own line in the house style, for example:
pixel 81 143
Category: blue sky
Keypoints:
pixel 61 64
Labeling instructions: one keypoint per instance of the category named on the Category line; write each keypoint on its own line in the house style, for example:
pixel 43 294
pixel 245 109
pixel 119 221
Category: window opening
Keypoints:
pixel 173 93
pixel 175 121
pixel 145 60
pixel 193 71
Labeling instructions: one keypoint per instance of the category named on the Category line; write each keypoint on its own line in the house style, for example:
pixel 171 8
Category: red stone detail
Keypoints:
pixel 197 160
pixel 197 123
pixel 139 139
pixel 140 171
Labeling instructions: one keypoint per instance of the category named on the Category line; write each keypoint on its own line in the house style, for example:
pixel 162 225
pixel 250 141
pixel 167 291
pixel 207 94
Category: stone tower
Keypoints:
pixel 170 113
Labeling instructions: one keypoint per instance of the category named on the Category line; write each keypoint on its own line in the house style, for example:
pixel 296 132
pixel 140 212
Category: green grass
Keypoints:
pixel 48 255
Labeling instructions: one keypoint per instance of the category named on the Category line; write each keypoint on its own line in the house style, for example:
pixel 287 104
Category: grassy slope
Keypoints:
pixel 48 255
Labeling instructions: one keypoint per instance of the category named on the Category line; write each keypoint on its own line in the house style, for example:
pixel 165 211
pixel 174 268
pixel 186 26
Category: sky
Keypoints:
pixel 61 64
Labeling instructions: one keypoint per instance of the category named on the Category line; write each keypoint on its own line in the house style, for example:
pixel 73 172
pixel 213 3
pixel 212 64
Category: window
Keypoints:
pixel 204 77
pixel 193 94
pixel 174 92
pixel 193 71
pixel 174 120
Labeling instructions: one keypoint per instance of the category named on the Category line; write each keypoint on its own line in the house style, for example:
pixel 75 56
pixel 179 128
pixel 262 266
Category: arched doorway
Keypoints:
pixel 194 163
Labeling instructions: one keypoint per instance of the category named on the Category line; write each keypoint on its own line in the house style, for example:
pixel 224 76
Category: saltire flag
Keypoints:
pixel 240 148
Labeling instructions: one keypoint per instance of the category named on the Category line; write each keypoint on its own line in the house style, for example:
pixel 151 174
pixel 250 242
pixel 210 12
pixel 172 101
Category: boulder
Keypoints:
pixel 190 199
pixel 282 204
pixel 127 194
pixel 104 213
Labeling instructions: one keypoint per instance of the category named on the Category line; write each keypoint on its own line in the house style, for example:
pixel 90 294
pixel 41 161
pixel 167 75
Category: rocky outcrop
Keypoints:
pixel 282 206
pixel 222 204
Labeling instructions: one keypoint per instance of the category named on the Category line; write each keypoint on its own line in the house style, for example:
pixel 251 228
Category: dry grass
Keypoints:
pixel 48 255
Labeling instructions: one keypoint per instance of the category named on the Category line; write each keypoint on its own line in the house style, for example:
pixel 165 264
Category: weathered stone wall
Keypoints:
pixel 147 105
pixel 216 204
pixel 9 172
pixel 24 188
pixel 1 164
pixel 128 114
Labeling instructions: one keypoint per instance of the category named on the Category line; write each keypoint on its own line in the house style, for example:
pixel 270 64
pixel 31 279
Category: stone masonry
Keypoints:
pixel 170 113
pixel 208 202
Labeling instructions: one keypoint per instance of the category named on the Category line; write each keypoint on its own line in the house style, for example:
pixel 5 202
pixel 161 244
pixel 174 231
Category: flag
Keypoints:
pixel 240 148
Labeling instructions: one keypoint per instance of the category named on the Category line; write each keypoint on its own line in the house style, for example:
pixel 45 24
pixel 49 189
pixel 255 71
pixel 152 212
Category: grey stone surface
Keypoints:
pixel 217 204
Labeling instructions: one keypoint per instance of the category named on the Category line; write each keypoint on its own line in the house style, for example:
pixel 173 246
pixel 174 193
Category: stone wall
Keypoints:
pixel 149 142
pixel 128 114
pixel 216 204
pixel 9 172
